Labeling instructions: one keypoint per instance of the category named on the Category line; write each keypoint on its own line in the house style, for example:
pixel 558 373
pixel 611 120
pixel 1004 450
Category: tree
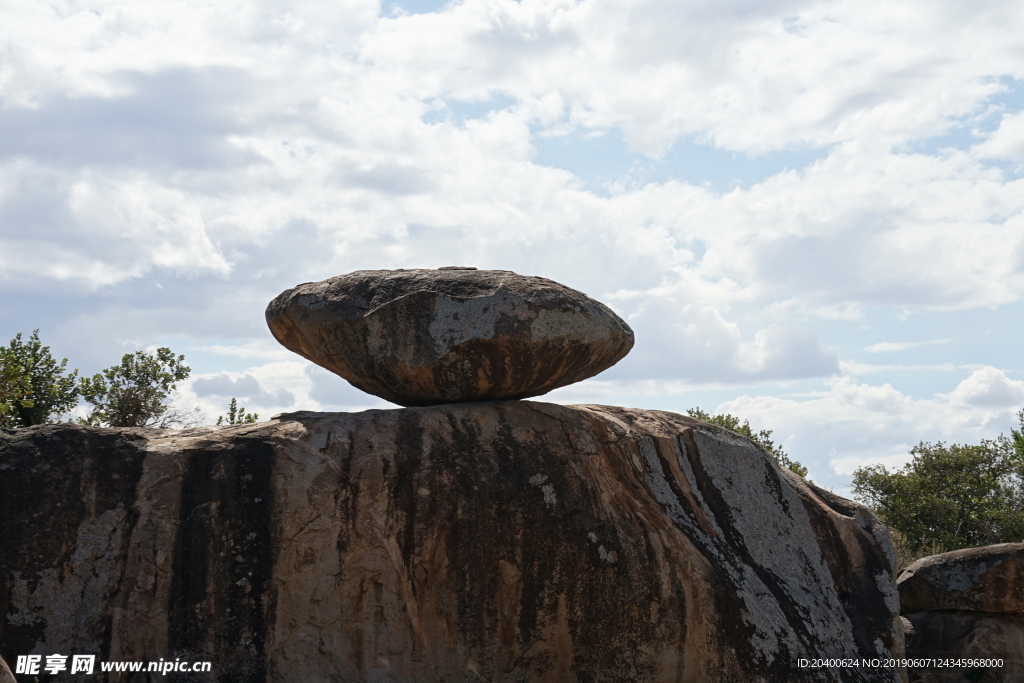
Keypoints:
pixel 761 438
pixel 34 388
pixel 950 497
pixel 136 393
pixel 236 415
pixel 1017 435
pixel 14 387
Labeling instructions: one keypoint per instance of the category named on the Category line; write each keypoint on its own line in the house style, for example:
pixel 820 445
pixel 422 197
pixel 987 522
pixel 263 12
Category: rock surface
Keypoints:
pixel 5 673
pixel 494 541
pixel 966 635
pixel 985 579
pixel 424 337
pixel 966 604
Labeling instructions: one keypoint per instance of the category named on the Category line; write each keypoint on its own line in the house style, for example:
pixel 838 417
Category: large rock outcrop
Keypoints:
pixel 493 541
pixel 963 605
pixel 425 337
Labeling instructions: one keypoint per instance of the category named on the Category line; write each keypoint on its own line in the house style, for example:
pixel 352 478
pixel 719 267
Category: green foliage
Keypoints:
pixel 13 386
pixel 907 552
pixel 136 392
pixel 761 438
pixel 950 497
pixel 236 415
pixel 34 388
pixel 1017 435
pixel 14 389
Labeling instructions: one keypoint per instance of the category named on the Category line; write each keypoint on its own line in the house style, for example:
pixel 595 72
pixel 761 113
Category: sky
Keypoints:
pixel 810 213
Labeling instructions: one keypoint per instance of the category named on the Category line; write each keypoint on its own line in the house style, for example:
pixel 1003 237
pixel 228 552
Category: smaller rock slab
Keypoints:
pixel 986 579
pixel 989 639
pixel 426 337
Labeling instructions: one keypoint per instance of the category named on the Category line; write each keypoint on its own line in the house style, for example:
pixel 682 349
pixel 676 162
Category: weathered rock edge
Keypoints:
pixel 427 337
pixel 501 541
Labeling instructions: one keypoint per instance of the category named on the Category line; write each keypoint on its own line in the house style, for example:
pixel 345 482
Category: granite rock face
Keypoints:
pixel 492 541
pixel 967 604
pixel 425 337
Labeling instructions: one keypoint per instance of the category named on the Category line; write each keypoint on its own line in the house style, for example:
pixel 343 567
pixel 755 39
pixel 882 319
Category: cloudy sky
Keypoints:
pixel 811 213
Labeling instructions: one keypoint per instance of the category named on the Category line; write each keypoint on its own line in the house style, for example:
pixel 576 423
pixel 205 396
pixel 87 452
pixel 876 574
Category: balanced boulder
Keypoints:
pixel 425 337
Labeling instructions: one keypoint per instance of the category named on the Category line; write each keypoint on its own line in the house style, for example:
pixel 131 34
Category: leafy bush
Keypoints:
pixel 236 415
pixel 136 393
pixel 950 497
pixel 34 388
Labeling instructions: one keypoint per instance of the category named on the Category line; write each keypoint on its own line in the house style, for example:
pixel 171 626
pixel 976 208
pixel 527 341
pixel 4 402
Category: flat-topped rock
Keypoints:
pixel 986 579
pixel 501 541
pixel 425 337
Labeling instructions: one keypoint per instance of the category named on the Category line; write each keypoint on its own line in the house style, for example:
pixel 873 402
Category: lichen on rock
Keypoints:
pixel 498 541
pixel 426 337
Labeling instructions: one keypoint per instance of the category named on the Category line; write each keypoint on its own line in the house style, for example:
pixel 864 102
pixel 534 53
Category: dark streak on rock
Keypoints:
pixel 729 608
pixel 408 440
pixel 852 573
pixel 55 478
pixel 503 534
pixel 347 495
pixel 220 606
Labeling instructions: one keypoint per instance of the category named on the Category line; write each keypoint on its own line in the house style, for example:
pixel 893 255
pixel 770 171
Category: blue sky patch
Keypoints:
pixel 973 129
pixel 412 6
pixel 601 161
pixel 461 111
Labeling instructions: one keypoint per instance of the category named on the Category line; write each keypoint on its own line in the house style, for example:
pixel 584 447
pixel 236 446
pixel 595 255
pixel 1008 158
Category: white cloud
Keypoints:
pixel 745 76
pixel 677 340
pixel 332 392
pixel 275 387
pixel 855 369
pixel 263 348
pixel 850 464
pixel 168 167
pixel 245 387
pixel 882 347
pixel 267 118
pixel 988 387
pixel 871 399
pixel 1007 142
pixel 272 388
pixel 784 352
pixel 101 231
pixel 858 424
